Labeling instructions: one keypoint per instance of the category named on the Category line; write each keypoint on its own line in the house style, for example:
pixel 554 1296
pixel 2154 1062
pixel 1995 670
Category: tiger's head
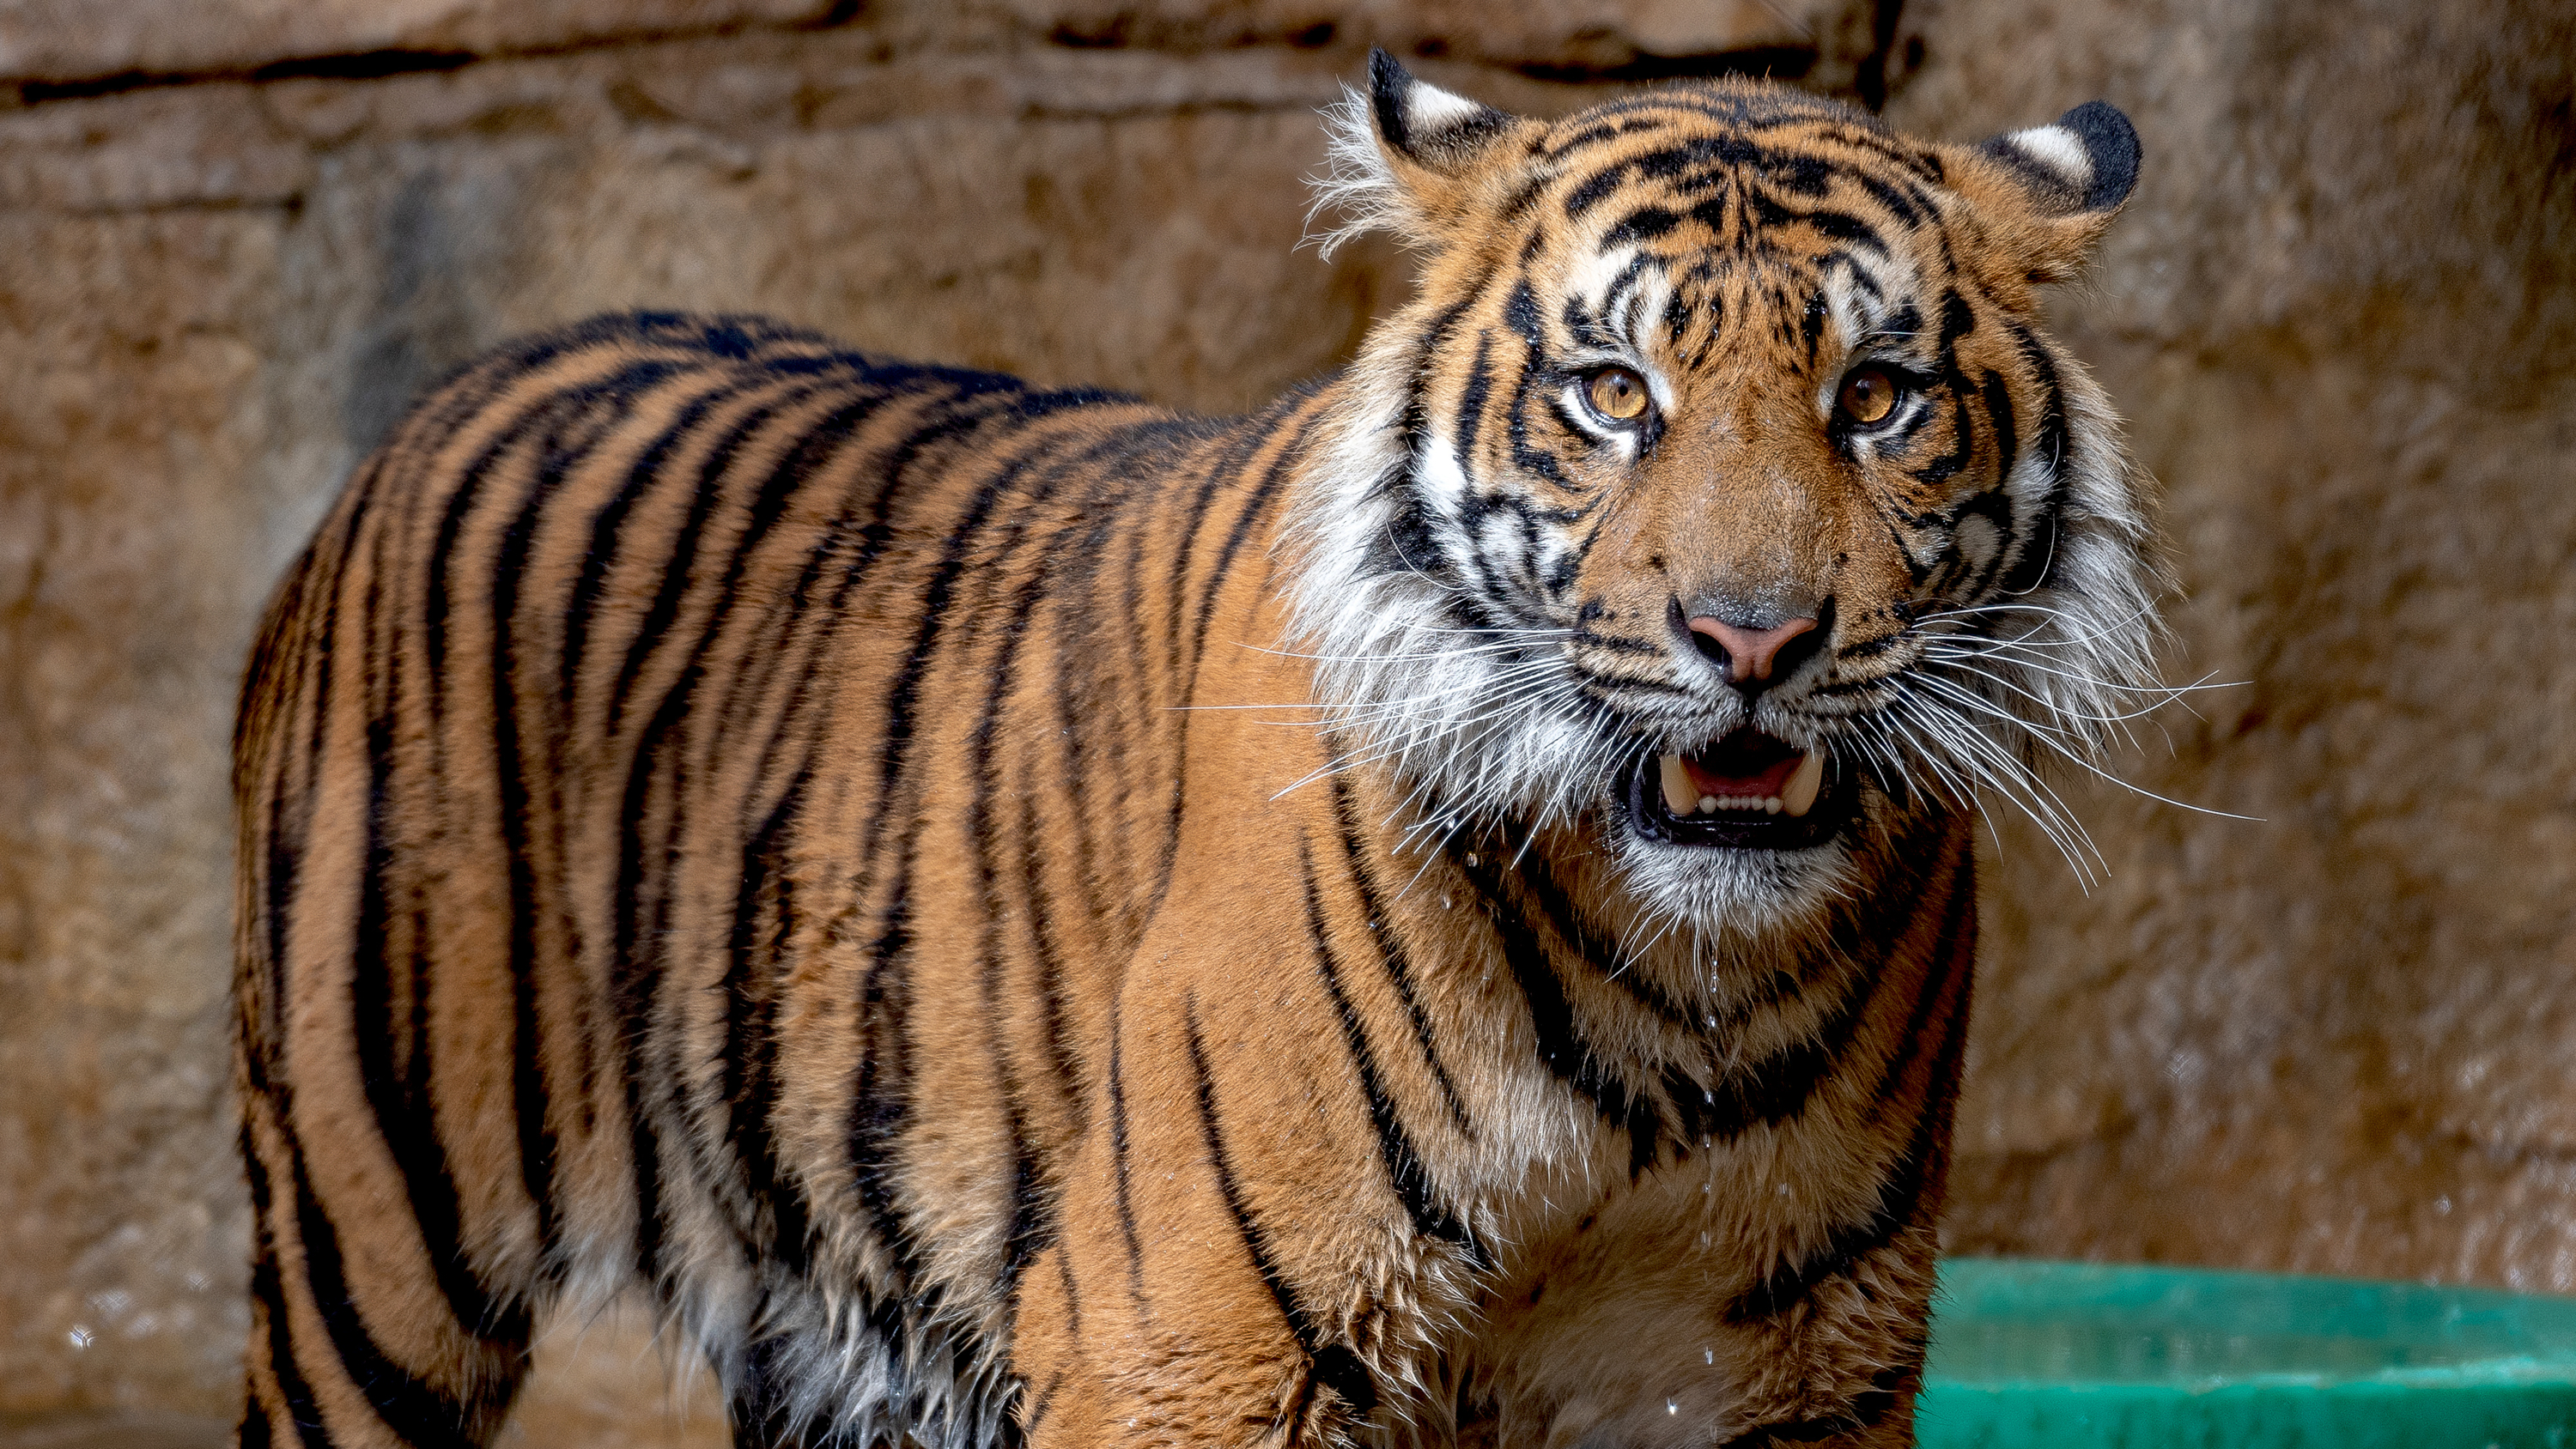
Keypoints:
pixel 1718 494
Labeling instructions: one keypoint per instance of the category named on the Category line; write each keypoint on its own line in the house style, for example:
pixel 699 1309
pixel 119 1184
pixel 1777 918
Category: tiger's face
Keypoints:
pixel 1718 494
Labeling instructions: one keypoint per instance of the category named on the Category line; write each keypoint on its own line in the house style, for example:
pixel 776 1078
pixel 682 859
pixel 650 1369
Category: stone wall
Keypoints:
pixel 240 233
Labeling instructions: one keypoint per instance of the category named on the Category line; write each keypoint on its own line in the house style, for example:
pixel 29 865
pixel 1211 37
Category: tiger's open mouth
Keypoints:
pixel 1749 790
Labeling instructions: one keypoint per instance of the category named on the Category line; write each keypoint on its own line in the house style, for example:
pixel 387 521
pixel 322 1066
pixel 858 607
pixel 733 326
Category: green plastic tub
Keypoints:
pixel 2088 1356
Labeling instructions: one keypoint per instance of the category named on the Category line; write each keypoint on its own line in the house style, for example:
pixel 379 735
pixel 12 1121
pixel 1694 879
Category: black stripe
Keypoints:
pixel 903 692
pixel 752 985
pixel 1333 1365
pixel 1595 190
pixel 254 1431
pixel 1218 475
pixel 1942 469
pixel 1031 1228
pixel 1618 644
pixel 1521 314
pixel 1841 226
pixel 1956 936
pixel 1120 1158
pixel 1069 1072
pixel 1406 1173
pixel 1221 474
pixel 1071 558
pixel 1472 400
pixel 880 1095
pixel 1641 225
pixel 1391 954
pixel 1416 423
pixel 1604 957
pixel 1255 509
pixel 1561 1043
pixel 1045 1399
pixel 592 413
pixel 1028 1231
pixel 268 1290
pixel 402 1097
pixel 1072 1295
pixel 417 1413
pixel 2038 549
pixel 528 1085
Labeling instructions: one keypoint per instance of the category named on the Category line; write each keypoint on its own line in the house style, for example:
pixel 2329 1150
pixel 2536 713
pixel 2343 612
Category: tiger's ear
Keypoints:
pixel 1410 156
pixel 1425 129
pixel 2056 187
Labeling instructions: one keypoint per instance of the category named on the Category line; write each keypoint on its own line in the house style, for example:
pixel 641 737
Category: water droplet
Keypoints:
pixel 80 1335
pixel 1671 1408
pixel 1471 860
pixel 1708 1355
pixel 1703 1242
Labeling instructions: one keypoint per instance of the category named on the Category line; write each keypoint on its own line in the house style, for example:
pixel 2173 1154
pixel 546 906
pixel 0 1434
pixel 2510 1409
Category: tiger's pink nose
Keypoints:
pixel 1750 653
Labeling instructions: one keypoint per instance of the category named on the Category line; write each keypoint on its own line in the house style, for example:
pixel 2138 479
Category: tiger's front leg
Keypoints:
pixel 1232 1269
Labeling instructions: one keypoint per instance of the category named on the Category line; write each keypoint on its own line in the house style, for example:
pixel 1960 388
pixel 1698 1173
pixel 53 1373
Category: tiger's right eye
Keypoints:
pixel 1617 394
pixel 1868 395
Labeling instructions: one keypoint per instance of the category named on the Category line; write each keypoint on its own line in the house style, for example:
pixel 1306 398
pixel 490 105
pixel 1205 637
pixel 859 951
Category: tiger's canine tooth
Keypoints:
pixel 1679 795
pixel 1799 795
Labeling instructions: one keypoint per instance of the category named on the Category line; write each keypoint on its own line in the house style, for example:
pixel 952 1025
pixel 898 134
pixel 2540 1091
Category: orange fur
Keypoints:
pixel 910 868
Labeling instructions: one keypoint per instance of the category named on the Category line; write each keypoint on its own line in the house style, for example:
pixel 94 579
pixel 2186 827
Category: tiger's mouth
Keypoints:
pixel 1749 791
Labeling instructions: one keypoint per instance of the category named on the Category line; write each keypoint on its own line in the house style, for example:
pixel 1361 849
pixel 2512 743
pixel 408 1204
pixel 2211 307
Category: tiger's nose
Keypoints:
pixel 1751 657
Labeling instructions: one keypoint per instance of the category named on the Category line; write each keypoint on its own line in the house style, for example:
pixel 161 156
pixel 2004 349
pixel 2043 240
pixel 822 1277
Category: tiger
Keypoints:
pixel 1438 911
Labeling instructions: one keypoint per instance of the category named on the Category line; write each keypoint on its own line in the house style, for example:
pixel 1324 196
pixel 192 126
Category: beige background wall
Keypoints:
pixel 236 234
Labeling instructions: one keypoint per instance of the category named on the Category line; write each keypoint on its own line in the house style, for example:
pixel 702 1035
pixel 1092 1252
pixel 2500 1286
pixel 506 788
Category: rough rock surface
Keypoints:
pixel 241 233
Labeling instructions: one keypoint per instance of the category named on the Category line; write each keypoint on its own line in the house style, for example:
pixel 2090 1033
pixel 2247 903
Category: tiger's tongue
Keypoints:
pixel 1746 762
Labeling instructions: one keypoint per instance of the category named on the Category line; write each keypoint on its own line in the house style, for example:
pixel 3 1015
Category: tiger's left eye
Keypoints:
pixel 1617 394
pixel 1868 395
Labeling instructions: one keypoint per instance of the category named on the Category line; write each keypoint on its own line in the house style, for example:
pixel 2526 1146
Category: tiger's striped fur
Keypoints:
pixel 1023 916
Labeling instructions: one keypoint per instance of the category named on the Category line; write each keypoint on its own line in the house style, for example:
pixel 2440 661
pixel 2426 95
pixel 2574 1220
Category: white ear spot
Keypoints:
pixel 1433 110
pixel 2057 150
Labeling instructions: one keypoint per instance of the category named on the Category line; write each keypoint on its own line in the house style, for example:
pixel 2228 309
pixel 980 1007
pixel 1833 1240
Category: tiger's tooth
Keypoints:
pixel 1679 797
pixel 1799 795
pixel 1708 803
